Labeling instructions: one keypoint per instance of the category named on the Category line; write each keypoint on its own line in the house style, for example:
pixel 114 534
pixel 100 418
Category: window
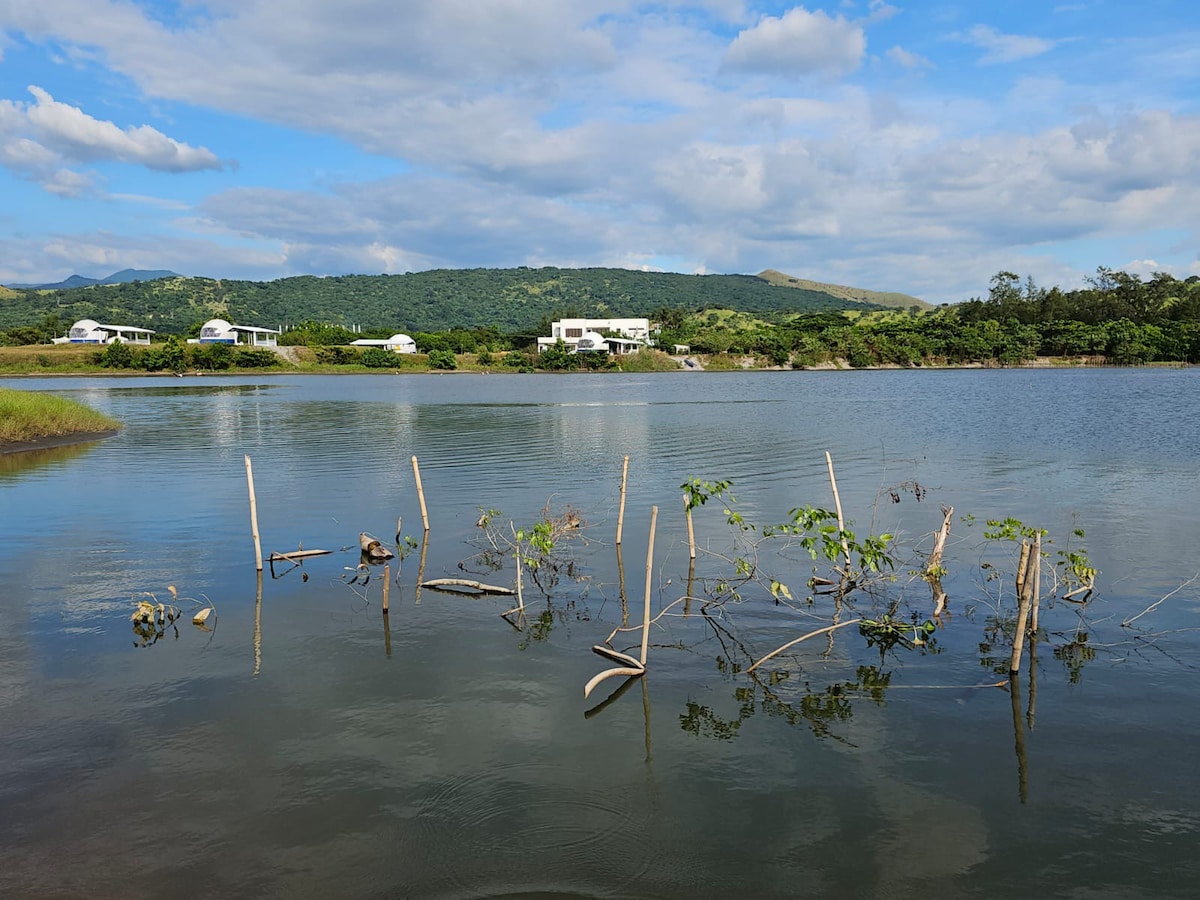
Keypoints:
pixel 574 332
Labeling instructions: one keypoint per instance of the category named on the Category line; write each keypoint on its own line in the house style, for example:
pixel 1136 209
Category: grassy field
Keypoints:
pixel 29 416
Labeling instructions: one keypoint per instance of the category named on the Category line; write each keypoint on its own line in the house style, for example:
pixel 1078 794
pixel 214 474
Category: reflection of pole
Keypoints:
pixel 649 572
pixel 621 589
pixel 621 513
pixel 254 516
pixel 258 626
pixel 421 568
pixel 1014 690
pixel 646 715
pixel 1030 713
pixel 387 625
pixel 420 494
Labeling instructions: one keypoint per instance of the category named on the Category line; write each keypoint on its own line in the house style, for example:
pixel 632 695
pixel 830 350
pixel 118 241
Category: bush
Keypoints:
pixel 337 356
pixel 117 355
pixel 377 358
pixel 485 357
pixel 213 357
pixel 442 359
pixel 256 358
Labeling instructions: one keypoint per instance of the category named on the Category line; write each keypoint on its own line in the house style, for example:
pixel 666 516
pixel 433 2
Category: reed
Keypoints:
pixel 27 416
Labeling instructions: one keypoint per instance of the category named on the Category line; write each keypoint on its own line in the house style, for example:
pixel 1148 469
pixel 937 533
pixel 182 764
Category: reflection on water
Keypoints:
pixel 12 464
pixel 296 751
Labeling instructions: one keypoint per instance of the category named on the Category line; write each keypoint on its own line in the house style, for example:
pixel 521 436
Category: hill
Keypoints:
pixel 861 295
pixel 511 300
pixel 74 281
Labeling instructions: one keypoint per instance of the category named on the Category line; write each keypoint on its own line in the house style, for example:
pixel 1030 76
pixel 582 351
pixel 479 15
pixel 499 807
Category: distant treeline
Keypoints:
pixel 1117 317
pixel 511 300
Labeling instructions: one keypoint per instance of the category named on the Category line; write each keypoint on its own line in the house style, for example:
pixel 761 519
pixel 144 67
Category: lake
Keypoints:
pixel 306 746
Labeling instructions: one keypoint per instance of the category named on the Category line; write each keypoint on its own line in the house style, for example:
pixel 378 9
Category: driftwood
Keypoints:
pixel 294 555
pixel 442 584
pixel 372 548
pixel 201 615
pixel 616 655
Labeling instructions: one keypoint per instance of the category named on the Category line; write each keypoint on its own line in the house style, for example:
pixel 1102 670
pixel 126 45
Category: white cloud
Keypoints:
pixel 77 136
pixel 907 60
pixel 798 43
pixel 1005 48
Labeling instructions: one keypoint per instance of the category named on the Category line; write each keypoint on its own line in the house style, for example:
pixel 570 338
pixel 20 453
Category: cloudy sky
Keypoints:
pixel 918 147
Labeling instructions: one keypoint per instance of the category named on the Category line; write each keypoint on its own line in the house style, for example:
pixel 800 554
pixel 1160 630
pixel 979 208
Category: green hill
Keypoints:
pixel 512 300
pixel 861 295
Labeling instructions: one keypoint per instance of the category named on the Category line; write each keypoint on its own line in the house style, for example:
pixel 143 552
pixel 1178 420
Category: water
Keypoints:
pixel 303 749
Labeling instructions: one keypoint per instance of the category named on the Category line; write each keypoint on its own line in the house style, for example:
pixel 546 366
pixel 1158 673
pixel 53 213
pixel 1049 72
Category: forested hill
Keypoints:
pixel 511 300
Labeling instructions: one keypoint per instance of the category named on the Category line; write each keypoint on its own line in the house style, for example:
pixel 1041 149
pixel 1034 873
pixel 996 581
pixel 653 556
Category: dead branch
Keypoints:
pixel 798 640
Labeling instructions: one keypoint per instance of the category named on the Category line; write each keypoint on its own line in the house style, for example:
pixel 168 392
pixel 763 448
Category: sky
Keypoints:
pixel 919 147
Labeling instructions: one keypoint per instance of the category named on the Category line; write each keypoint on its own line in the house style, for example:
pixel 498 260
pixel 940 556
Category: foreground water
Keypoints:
pixel 307 748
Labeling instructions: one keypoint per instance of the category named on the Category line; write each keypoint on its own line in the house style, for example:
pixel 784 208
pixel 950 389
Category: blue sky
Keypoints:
pixel 917 147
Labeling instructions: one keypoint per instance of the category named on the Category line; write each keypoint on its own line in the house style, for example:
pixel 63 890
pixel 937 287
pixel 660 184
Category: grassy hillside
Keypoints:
pixel 511 300
pixel 862 295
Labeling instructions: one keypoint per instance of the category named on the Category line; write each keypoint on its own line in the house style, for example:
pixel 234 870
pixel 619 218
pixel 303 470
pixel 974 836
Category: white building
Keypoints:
pixel 584 335
pixel 397 343
pixel 218 331
pixel 89 331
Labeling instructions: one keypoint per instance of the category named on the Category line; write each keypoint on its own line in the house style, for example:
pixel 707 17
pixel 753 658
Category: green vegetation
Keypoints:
pixel 28 416
pixel 515 301
pixel 489 319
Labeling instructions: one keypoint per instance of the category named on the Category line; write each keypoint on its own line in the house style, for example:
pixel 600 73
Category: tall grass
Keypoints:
pixel 29 416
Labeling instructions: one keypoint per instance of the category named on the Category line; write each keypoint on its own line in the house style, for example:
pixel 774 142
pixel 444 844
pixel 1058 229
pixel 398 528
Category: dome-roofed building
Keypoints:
pixel 89 331
pixel 218 331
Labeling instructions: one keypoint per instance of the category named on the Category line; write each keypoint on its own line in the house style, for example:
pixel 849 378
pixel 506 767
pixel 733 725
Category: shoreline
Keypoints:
pixel 50 441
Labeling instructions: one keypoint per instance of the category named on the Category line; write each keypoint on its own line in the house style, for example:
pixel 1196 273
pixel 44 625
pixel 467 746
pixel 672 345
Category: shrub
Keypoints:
pixel 377 358
pixel 117 355
pixel 337 356
pixel 442 359
pixel 256 358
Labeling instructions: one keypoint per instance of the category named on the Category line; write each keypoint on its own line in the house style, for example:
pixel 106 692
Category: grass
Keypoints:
pixel 29 416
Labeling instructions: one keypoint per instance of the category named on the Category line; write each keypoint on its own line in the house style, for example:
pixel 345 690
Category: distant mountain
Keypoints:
pixel 123 277
pixel 520 300
pixel 860 295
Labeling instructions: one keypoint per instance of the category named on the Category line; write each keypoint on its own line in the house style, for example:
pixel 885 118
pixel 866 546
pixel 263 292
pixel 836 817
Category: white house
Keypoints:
pixel 89 331
pixel 397 343
pixel 218 331
pixel 584 335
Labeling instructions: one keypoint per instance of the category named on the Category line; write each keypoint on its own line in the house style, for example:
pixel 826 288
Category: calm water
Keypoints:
pixel 306 748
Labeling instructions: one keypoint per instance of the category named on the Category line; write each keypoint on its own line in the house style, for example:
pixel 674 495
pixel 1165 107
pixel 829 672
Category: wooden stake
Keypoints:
pixel 687 511
pixel 837 505
pixel 621 514
pixel 649 573
pixel 1022 570
pixel 254 517
pixel 1023 604
pixel 420 493
pixel 1037 589
pixel 421 569
pixel 621 588
pixel 387 583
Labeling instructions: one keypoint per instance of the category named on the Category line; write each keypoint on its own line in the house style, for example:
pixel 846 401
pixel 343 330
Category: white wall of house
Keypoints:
pixel 570 331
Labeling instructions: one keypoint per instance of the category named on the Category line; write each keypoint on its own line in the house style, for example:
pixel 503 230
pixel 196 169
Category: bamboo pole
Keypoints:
pixel 1023 598
pixel 1022 569
pixel 254 516
pixel 1037 586
pixel 387 583
pixel 621 513
pixel 649 573
pixel 687 511
pixel 837 505
pixel 420 493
